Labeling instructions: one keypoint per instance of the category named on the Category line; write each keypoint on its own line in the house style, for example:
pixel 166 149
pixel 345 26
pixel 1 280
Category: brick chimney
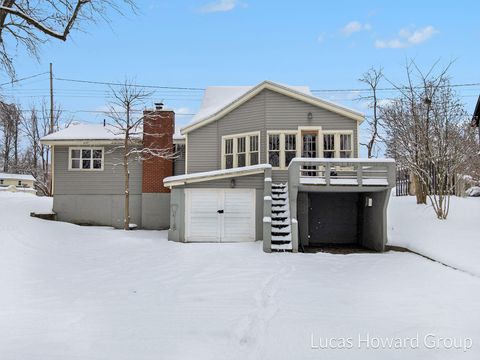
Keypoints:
pixel 158 129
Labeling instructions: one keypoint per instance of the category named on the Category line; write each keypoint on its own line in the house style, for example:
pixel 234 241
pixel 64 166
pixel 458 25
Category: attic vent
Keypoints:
pixel 158 105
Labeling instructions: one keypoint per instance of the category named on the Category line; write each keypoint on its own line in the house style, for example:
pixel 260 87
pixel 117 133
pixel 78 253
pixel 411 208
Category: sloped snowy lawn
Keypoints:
pixel 455 241
pixel 70 292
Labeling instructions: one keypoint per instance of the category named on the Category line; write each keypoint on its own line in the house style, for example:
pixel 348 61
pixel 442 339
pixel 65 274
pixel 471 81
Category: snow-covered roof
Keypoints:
pixel 218 100
pixel 5 176
pixel 94 132
pixel 210 175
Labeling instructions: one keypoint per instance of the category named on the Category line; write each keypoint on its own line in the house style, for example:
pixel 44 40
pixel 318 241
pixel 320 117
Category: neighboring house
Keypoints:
pixel 476 117
pixel 20 181
pixel 268 162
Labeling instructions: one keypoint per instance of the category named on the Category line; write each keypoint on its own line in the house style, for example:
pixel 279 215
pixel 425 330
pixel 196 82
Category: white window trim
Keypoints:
pixel 336 141
pixel 85 148
pixel 282 134
pixel 235 147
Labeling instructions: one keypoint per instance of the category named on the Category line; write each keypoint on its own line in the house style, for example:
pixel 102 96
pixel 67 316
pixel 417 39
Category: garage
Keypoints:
pixel 342 219
pixel 219 215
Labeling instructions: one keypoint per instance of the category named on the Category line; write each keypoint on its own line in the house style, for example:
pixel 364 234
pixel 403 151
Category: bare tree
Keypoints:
pixel 35 125
pixel 32 23
pixel 9 125
pixel 130 128
pixel 426 133
pixel 372 78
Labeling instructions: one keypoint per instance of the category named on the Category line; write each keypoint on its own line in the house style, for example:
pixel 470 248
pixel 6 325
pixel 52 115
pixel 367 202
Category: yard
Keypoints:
pixel 70 292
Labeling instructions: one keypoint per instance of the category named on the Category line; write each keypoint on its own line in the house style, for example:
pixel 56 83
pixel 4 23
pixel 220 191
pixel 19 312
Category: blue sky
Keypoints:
pixel 325 45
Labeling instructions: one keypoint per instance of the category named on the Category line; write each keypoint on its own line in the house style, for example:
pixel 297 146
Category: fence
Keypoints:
pixel 404 185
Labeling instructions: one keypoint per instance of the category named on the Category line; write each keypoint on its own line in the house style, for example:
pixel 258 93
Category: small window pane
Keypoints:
pixel 229 146
pixel 274 142
pixel 241 160
pixel 241 145
pixel 345 142
pixel 274 158
pixel 85 163
pixel 97 154
pixel 76 154
pixel 289 155
pixel 254 143
pixel 97 164
pixel 328 142
pixel 229 161
pixel 75 164
pixel 254 158
pixel 86 153
pixel 290 142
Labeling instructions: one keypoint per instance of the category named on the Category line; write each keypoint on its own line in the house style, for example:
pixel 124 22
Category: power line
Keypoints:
pixel 393 88
pixel 25 78
pixel 134 85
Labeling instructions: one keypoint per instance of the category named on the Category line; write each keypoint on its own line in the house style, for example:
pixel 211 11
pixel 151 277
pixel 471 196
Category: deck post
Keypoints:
pixel 267 211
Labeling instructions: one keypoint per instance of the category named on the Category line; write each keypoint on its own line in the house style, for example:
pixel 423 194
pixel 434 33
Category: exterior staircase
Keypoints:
pixel 281 227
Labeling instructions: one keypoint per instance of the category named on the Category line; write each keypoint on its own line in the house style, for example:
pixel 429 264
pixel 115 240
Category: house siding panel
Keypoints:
pixel 110 181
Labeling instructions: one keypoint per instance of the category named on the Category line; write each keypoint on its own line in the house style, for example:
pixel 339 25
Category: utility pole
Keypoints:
pixel 51 99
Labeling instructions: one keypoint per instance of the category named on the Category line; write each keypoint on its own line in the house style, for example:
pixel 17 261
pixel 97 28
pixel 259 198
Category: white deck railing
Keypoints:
pixel 342 172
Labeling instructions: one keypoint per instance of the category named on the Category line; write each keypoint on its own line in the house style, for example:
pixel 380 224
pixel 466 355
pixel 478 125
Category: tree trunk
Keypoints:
pixel 126 220
pixel 420 190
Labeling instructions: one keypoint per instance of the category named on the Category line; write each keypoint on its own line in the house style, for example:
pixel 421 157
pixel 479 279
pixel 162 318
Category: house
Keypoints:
pixel 19 181
pixel 476 117
pixel 268 162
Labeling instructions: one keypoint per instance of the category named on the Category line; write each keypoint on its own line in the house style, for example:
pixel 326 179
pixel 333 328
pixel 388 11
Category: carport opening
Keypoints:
pixel 340 222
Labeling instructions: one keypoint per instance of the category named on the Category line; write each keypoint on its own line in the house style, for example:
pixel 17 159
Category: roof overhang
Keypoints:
pixel 354 115
pixel 86 142
pixel 181 180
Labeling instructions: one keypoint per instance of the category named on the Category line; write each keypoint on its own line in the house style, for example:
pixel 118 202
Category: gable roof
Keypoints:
pixel 220 100
pixel 92 132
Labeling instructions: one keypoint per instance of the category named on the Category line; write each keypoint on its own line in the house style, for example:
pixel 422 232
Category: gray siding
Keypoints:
pixel 110 181
pixel 268 110
pixel 179 162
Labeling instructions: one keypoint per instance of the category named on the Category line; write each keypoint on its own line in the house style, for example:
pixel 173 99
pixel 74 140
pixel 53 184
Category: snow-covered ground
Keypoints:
pixel 70 292
pixel 455 241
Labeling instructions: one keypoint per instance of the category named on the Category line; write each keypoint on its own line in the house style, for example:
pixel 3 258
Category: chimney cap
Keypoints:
pixel 158 105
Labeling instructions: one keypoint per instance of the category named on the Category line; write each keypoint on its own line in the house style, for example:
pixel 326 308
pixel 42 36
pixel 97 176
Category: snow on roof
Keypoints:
pixel 86 132
pixel 5 176
pixel 207 175
pixel 94 132
pixel 216 98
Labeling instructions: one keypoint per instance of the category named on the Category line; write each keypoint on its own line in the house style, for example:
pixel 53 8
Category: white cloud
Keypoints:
pixel 220 6
pixel 407 37
pixel 182 110
pixel 353 27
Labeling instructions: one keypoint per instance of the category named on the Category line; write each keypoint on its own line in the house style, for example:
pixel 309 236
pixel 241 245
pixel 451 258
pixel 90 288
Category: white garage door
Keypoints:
pixel 219 215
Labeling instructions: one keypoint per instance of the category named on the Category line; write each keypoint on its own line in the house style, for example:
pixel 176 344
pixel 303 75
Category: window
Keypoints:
pixel 254 156
pixel 19 182
pixel 86 159
pixel 240 150
pixel 290 148
pixel 345 145
pixel 274 150
pixel 338 144
pixel 228 153
pixel 329 145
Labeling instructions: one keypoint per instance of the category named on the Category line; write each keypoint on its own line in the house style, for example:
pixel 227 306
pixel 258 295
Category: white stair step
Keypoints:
pixel 282 238
pixel 283 229
pixel 280 222
pixel 282 246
